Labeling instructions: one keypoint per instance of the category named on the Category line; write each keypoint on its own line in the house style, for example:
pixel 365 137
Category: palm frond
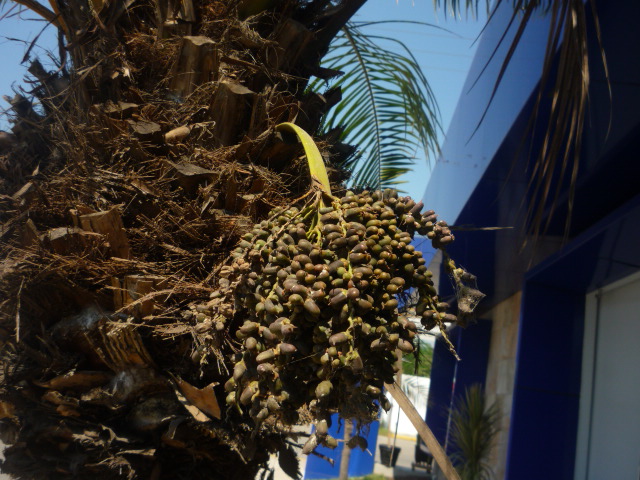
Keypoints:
pixel 38 8
pixel 388 109
pixel 454 8
pixel 559 157
pixel 474 425
pixel 566 52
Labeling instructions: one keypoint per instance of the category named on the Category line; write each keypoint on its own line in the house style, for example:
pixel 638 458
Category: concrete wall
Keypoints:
pixel 501 372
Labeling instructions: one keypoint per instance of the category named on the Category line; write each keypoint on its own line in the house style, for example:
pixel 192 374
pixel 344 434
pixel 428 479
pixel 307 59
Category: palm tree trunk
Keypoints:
pixel 154 151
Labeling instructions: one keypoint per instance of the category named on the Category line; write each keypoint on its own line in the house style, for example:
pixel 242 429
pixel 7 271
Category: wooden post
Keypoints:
pixel 424 431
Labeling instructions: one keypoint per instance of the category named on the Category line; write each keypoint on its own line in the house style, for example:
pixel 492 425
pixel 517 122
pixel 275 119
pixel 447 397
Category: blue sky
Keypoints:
pixel 444 57
pixel 16 34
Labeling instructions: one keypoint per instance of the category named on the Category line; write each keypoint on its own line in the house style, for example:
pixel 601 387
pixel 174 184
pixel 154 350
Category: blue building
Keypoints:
pixel 557 341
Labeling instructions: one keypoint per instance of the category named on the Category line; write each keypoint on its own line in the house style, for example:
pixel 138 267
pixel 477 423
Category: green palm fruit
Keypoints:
pixel 358 258
pixel 265 369
pixel 273 405
pixel 268 335
pixel 338 338
pixel 310 445
pixel 344 314
pixel 323 372
pixel 287 329
pixel 334 266
pixel 248 392
pixel 266 356
pixel 238 370
pixel 329 442
pixel 378 344
pixel 249 327
pixel 299 290
pixel 250 343
pixel 338 300
pixel 330 217
pixel 355 362
pixel 373 391
pixel 230 385
pixel 353 293
pixel 364 304
pixel 449 317
pixel 391 304
pixel 262 415
pixel 324 275
pixel 392 289
pixel 296 299
pixel 405 346
pixel 270 307
pixel 323 389
pixel 271 270
pixel 287 348
pixel 359 442
pixel 322 427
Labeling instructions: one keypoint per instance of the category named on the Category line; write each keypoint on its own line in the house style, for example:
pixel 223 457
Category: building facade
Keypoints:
pixel 556 338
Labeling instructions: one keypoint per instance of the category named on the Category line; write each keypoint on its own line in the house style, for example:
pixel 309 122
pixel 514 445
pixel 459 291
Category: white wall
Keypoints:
pixel 417 389
pixel 609 423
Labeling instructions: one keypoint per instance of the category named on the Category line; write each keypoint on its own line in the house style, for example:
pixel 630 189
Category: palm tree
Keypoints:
pixel 474 426
pixel 130 174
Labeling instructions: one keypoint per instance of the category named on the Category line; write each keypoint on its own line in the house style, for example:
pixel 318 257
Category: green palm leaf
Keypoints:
pixel 388 111
pixel 474 426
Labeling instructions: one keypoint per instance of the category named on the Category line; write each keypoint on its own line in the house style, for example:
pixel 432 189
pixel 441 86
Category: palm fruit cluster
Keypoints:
pixel 318 297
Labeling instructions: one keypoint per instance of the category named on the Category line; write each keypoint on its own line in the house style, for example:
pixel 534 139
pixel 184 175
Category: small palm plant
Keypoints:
pixel 474 426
